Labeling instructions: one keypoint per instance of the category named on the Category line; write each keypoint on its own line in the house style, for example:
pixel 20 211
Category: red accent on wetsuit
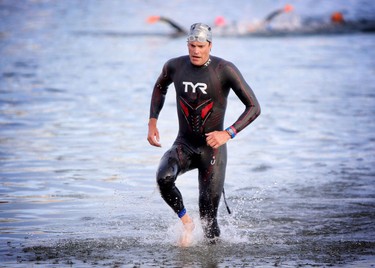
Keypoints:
pixel 184 108
pixel 196 116
pixel 206 109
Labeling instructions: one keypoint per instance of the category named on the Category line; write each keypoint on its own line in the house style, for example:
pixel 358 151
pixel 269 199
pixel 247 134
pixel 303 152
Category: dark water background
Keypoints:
pixel 77 175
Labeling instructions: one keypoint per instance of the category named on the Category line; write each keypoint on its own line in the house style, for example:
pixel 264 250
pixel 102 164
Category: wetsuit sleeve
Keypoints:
pixel 246 95
pixel 159 92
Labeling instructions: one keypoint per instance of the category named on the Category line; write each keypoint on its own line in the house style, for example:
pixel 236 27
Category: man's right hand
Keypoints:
pixel 153 133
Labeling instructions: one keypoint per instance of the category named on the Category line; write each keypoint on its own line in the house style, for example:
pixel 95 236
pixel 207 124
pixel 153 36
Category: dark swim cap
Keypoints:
pixel 200 32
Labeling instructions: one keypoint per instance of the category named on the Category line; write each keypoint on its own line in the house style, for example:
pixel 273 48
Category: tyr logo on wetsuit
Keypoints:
pixel 201 86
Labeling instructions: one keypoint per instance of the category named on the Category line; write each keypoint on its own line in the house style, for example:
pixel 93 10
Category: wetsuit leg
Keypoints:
pixel 211 183
pixel 174 162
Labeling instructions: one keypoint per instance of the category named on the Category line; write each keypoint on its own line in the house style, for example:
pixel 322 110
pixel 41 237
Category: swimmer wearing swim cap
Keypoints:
pixel 202 83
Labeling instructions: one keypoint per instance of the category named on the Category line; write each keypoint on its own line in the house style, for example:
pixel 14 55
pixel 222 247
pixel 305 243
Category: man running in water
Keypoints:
pixel 202 84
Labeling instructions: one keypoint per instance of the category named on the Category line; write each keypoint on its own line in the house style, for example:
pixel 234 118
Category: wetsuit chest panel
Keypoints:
pixel 200 95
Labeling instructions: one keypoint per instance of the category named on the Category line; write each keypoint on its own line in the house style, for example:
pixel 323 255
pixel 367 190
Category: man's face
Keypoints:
pixel 199 52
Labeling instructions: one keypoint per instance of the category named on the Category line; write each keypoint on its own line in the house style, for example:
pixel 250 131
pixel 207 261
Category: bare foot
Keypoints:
pixel 187 234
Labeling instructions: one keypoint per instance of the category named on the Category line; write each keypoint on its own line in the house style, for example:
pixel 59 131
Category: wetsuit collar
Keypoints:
pixel 204 65
pixel 207 62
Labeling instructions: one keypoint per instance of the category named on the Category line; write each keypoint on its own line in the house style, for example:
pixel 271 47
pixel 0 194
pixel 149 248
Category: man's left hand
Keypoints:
pixel 217 138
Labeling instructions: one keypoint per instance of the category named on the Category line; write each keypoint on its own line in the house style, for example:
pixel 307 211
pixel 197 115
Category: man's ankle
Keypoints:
pixel 186 219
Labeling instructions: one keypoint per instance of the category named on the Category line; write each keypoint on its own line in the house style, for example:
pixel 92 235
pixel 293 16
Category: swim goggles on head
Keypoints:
pixel 192 38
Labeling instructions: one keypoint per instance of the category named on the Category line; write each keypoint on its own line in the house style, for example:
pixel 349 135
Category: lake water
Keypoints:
pixel 77 174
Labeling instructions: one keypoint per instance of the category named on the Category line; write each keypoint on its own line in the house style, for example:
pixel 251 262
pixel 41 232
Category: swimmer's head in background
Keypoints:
pixel 200 32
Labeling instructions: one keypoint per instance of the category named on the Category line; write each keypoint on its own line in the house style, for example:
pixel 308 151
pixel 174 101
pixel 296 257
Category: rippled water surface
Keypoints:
pixel 77 174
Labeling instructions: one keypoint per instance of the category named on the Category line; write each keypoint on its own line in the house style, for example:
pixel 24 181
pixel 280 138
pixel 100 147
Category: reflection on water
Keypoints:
pixel 77 175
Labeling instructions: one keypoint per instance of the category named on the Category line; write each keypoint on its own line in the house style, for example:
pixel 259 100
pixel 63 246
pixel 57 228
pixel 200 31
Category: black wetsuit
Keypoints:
pixel 201 96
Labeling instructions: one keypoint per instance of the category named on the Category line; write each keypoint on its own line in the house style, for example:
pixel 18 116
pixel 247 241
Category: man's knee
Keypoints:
pixel 165 178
